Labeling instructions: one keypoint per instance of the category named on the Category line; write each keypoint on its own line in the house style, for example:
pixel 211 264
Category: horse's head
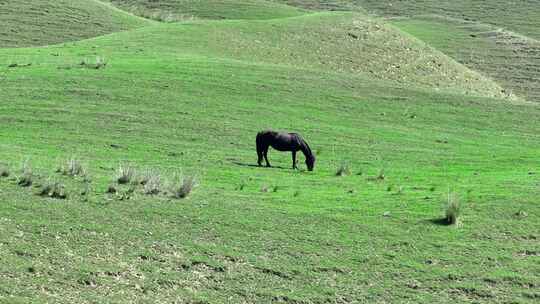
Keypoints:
pixel 310 162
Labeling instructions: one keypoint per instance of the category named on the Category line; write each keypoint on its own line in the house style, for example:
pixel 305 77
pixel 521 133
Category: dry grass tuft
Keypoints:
pixel 72 167
pixel 125 173
pixel 111 189
pixel 343 170
pixel 4 171
pixel 27 176
pixel 182 187
pixel 453 208
pixel 53 189
pixel 152 183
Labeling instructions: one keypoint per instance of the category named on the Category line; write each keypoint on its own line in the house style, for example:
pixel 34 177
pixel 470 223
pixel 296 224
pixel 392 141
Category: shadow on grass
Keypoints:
pixel 255 165
pixel 439 222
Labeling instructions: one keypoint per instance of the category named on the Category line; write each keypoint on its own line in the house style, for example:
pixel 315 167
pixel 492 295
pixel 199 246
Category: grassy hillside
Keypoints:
pixel 522 16
pixel 177 99
pixel 496 39
pixel 178 10
pixel 338 42
pixel 41 22
pixel 509 58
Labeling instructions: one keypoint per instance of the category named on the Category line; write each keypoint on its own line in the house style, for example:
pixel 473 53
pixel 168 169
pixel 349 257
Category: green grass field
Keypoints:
pixel 189 97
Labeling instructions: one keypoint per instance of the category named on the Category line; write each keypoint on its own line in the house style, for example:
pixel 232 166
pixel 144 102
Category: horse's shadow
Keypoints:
pixel 439 222
pixel 257 166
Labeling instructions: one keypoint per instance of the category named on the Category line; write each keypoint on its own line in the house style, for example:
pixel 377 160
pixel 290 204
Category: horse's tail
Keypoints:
pixel 259 140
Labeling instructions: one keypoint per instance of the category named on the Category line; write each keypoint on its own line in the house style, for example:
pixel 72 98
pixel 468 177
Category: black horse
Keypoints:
pixel 283 142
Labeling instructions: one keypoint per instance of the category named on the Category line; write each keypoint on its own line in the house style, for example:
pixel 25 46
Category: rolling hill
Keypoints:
pixel 41 22
pixel 496 39
pixel 377 97
pixel 512 60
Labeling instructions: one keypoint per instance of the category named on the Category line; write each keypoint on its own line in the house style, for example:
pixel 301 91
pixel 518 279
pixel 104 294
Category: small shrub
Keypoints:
pixel 125 174
pixel 53 189
pixel 343 170
pixel 72 167
pixel 182 188
pixel 111 189
pixel 153 184
pixel 146 175
pixel 241 186
pixel 380 175
pixel 27 176
pixel 521 214
pixel 453 208
pixel 87 188
pixel 4 171
pixel 98 63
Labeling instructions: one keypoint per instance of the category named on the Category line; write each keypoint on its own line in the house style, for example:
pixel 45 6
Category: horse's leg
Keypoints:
pixel 259 156
pixel 265 153
pixel 294 160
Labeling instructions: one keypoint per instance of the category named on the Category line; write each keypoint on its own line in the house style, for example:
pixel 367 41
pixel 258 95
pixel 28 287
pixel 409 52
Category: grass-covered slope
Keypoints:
pixel 338 42
pixel 496 39
pixel 177 98
pixel 178 10
pixel 509 58
pixel 251 234
pixel 41 22
pixel 522 16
